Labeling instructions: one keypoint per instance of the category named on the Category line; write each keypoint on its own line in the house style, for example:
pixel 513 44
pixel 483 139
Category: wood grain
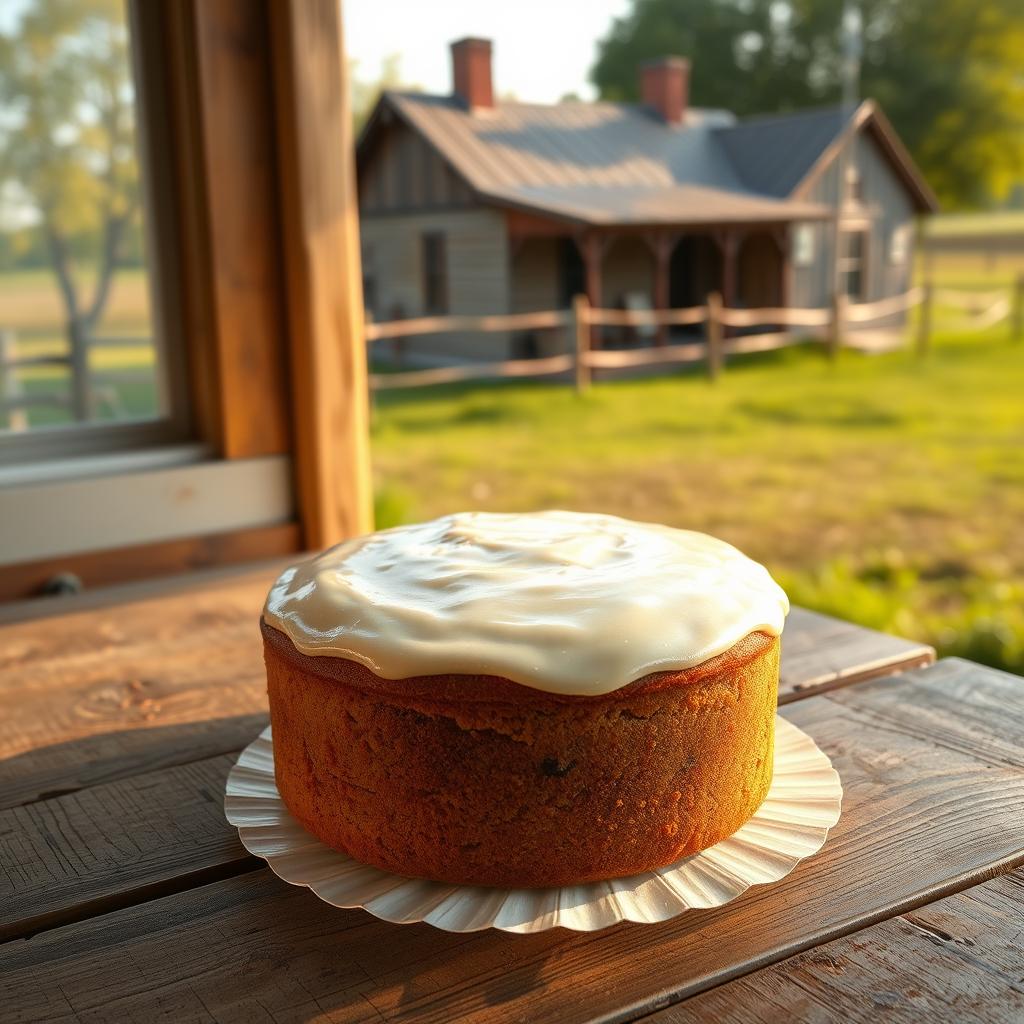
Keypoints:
pixel 84 698
pixel 149 561
pixel 820 653
pixel 247 299
pixel 330 400
pixel 957 959
pixel 934 804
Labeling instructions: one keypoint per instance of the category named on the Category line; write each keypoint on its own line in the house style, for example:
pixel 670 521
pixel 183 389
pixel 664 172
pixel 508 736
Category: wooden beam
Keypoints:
pixel 238 206
pixel 324 283
pixel 662 244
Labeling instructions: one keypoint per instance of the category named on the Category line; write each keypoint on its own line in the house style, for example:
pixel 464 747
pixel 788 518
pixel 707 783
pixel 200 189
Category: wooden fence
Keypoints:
pixel 78 397
pixel 789 326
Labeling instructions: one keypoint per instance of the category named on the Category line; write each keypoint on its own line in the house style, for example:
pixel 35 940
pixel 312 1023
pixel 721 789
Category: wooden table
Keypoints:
pixel 127 897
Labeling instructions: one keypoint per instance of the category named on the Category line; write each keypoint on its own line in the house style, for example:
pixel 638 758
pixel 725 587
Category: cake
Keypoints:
pixel 523 700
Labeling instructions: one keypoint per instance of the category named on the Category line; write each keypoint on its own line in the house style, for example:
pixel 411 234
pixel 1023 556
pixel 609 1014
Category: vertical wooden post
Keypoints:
pixel 320 227
pixel 729 242
pixel 924 319
pixel 714 335
pixel 1017 318
pixel 835 332
pixel 581 325
pixel 592 248
pixel 662 244
pixel 10 387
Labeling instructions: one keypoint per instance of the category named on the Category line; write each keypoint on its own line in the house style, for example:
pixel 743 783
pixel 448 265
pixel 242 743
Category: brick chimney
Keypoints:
pixel 665 87
pixel 471 73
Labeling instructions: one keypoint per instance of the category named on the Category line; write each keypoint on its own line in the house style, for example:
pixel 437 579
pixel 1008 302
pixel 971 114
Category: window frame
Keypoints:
pixel 860 262
pixel 173 424
pixel 267 285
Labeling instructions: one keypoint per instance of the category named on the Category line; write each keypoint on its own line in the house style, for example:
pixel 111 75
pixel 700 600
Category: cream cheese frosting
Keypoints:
pixel 567 602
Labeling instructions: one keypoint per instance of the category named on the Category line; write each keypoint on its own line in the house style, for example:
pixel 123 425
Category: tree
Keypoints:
pixel 67 144
pixel 947 72
pixel 366 91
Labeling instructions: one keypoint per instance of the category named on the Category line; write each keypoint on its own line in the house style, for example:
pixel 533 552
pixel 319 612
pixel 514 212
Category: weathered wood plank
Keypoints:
pixel 934 804
pixel 75 690
pixel 957 959
pixel 820 653
pixel 116 845
pixel 112 692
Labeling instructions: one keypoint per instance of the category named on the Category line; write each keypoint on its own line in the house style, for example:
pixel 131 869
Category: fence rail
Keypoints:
pixel 782 323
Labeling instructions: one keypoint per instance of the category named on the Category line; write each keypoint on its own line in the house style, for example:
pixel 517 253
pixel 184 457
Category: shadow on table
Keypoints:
pixel 51 771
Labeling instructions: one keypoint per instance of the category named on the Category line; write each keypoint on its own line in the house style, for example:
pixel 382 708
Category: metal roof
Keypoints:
pixel 617 163
pixel 772 155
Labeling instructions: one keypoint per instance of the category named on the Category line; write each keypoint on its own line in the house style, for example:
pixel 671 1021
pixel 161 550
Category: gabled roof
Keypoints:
pixel 616 163
pixel 773 154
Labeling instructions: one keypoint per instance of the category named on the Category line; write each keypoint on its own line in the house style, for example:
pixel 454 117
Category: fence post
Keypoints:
pixel 1017 321
pixel 714 335
pixel 10 387
pixel 924 319
pixel 836 327
pixel 581 324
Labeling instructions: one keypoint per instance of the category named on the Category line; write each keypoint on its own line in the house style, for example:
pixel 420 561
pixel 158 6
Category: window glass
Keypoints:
pixel 803 245
pixel 899 245
pixel 76 327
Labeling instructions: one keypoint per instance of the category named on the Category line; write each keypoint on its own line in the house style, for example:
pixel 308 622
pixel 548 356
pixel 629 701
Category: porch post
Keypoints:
pixel 592 247
pixel 729 243
pixel 662 244
pixel 783 239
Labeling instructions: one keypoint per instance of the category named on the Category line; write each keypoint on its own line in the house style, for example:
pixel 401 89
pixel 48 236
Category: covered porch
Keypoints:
pixel 749 265
pixel 653 265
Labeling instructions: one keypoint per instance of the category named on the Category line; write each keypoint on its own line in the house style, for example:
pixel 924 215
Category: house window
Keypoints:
pixel 435 274
pixel 852 258
pixel 803 245
pixel 83 345
pixel 899 245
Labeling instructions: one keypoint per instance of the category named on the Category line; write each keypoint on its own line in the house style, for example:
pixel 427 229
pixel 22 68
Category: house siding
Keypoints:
pixel 536 287
pixel 887 207
pixel 476 252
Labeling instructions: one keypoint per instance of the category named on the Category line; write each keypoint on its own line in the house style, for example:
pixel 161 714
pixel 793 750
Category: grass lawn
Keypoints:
pixel 881 489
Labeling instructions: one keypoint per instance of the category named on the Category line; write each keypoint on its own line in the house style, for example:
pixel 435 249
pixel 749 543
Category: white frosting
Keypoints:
pixel 566 602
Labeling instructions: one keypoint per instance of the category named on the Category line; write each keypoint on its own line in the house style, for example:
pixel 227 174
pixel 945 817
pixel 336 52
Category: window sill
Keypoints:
pixel 112 501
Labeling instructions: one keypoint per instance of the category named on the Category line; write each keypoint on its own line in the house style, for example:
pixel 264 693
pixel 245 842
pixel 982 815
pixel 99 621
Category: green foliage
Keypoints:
pixel 366 91
pixel 67 143
pixel 947 72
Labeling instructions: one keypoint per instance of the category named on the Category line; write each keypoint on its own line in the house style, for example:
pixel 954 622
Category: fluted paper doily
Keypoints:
pixel 803 803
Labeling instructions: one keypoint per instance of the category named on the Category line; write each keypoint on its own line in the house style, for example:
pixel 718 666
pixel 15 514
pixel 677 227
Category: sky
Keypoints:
pixel 543 49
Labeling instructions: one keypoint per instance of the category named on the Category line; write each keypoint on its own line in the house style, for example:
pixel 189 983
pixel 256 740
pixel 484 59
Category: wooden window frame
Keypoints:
pixel 266 273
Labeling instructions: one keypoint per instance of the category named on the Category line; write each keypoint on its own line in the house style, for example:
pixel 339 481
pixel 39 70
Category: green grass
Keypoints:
pixel 882 489
pixel 996 222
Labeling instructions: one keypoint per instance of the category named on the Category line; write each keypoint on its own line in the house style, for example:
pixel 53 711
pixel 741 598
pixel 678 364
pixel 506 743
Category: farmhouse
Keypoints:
pixel 469 205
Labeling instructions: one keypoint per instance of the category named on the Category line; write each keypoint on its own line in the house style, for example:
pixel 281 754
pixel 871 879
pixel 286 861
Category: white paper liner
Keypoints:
pixel 803 803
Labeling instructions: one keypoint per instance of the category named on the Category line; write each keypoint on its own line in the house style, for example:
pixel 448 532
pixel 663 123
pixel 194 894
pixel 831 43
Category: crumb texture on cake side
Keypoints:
pixel 481 780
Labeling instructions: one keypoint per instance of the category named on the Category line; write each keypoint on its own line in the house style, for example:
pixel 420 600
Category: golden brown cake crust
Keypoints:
pixel 480 780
